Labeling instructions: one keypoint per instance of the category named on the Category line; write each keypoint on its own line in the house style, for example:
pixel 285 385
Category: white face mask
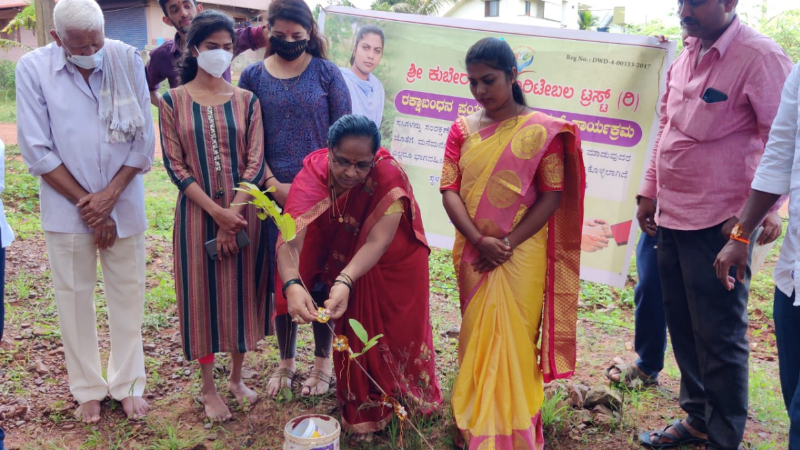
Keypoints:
pixel 86 62
pixel 215 62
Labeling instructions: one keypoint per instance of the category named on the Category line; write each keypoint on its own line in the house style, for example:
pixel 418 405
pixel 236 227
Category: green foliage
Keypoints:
pixel 443 273
pixel 555 413
pixel 658 28
pixel 159 201
pixel 25 20
pixel 359 330
pixel 268 208
pixel 7 76
pixel 785 30
pixel 586 20
pixel 381 6
pixel 420 7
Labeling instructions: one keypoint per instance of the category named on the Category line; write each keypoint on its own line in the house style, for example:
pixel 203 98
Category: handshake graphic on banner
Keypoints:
pixel 597 233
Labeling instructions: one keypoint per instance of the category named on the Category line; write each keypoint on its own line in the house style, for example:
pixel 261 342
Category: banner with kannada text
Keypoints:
pixel 609 85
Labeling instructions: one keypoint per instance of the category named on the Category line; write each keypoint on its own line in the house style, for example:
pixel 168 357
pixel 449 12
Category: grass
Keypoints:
pixel 443 274
pixel 8 106
pixel 766 401
pixel 160 197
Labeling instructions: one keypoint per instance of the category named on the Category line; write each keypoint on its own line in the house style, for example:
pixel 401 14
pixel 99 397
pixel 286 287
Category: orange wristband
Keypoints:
pixel 740 239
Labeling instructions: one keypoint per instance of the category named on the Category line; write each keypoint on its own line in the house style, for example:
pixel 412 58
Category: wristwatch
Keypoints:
pixel 738 234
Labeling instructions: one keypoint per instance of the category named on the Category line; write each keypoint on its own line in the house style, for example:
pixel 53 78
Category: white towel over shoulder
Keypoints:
pixel 119 102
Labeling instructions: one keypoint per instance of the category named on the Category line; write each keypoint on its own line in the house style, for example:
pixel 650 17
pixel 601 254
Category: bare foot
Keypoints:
pixel 671 430
pixel 216 410
pixel 89 412
pixel 244 395
pixel 135 407
pixel 281 378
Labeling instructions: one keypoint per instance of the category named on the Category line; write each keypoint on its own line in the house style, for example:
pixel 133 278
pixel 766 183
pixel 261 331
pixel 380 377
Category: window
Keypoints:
pixel 527 8
pixel 492 8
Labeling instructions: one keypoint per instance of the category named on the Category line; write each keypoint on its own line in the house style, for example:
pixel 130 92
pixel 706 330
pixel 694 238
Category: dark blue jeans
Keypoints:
pixel 787 333
pixel 650 332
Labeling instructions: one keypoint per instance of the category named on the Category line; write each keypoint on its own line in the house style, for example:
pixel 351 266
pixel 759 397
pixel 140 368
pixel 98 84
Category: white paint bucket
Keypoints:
pixel 328 427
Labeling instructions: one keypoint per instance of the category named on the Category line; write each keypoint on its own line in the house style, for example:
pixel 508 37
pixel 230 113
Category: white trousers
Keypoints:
pixel 73 263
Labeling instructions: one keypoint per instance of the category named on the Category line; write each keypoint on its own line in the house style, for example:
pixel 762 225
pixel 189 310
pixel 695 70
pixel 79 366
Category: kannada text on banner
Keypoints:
pixel 608 85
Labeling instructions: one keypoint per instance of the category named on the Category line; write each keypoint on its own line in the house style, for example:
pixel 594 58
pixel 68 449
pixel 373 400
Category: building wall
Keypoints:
pixel 569 15
pixel 156 28
pixel 510 11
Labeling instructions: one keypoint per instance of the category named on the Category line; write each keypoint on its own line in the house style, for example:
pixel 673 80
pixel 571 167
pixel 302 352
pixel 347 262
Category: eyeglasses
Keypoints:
pixel 343 164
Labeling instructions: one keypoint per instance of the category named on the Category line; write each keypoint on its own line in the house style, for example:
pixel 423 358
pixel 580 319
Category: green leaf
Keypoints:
pixel 375 338
pixel 359 330
pixel 354 355
pixel 288 227
pixel 369 345
pixel 284 395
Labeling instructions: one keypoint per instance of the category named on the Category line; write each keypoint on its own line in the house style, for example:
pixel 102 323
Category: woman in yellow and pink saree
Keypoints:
pixel 513 185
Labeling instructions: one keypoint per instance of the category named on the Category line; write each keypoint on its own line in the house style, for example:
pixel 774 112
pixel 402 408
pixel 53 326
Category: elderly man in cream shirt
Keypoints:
pixel 85 128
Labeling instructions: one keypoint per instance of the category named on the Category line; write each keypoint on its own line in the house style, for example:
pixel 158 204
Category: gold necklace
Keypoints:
pixel 297 78
pixel 519 111
pixel 335 204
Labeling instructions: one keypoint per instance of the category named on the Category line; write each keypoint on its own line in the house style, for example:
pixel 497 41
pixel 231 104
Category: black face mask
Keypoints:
pixel 288 50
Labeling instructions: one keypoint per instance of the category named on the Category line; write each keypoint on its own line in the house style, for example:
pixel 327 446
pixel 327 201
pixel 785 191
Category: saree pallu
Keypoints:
pixel 390 299
pixel 498 392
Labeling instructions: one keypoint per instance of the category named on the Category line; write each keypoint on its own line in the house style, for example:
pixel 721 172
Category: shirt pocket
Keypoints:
pixel 707 121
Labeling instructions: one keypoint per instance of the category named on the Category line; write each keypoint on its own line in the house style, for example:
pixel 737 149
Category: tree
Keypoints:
pixel 785 30
pixel 586 20
pixel 420 7
pixel 657 28
pixel 25 20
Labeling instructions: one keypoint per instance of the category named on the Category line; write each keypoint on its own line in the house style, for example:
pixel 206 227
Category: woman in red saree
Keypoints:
pixel 360 236
pixel 513 185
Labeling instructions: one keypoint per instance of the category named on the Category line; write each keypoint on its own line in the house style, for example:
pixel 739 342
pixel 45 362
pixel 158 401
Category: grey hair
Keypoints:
pixel 83 15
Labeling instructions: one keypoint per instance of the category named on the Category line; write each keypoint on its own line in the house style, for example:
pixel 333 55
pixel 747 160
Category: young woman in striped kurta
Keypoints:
pixel 212 138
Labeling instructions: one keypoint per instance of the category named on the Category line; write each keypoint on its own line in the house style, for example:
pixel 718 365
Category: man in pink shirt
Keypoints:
pixel 722 95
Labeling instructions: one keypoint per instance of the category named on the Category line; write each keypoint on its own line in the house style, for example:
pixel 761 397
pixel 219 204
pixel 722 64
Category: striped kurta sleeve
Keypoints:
pixel 255 171
pixel 170 144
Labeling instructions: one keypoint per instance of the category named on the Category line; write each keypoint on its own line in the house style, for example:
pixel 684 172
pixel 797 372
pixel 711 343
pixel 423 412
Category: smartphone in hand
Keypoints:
pixel 242 241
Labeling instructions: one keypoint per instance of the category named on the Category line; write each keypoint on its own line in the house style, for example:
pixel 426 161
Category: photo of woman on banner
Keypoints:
pixel 366 91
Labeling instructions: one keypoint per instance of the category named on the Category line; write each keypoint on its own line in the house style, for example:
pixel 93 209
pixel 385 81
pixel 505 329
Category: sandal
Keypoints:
pixel 285 378
pixel 683 437
pixel 629 375
pixel 322 378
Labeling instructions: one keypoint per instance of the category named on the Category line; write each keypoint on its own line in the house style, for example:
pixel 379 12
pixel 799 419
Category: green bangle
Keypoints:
pixel 347 277
pixel 289 283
